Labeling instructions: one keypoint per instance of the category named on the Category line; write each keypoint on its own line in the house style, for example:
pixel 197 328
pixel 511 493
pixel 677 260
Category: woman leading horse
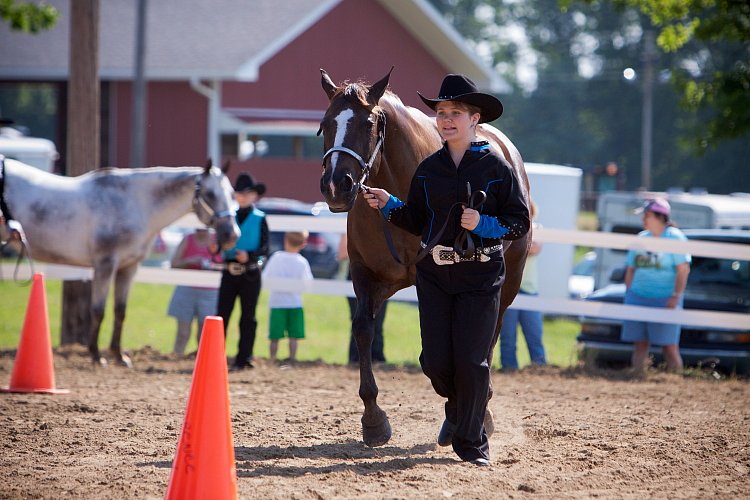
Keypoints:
pixel 459 287
pixel 459 283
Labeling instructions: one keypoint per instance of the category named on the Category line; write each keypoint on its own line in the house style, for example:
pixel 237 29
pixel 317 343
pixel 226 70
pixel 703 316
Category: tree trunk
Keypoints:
pixel 82 145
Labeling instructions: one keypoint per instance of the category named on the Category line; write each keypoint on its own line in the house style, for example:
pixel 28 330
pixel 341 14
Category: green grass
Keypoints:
pixel 326 318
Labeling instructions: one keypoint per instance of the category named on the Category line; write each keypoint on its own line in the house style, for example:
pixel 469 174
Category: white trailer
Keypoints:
pixel 35 151
pixel 556 191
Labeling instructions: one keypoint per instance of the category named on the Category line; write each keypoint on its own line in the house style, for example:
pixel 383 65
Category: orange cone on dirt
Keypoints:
pixel 204 464
pixel 33 370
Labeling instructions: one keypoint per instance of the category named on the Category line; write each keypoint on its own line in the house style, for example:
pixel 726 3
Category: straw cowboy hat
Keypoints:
pixel 245 183
pixel 460 88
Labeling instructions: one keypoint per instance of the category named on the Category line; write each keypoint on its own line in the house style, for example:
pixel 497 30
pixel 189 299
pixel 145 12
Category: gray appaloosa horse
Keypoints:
pixel 107 219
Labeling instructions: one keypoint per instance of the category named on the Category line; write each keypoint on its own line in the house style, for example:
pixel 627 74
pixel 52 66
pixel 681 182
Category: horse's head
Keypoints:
pixel 214 204
pixel 353 135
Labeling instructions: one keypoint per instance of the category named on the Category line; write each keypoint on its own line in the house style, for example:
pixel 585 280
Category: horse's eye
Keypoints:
pixel 320 130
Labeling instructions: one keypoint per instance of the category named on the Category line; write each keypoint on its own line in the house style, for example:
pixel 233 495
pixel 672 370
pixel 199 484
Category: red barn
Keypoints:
pixel 234 79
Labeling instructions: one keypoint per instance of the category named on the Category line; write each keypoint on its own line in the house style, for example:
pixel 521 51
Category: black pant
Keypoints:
pixel 458 308
pixel 377 342
pixel 247 287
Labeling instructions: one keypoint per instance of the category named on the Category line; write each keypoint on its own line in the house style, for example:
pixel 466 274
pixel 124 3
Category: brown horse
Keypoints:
pixel 371 137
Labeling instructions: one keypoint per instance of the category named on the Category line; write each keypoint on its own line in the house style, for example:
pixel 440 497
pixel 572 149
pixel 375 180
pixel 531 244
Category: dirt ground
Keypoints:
pixel 560 433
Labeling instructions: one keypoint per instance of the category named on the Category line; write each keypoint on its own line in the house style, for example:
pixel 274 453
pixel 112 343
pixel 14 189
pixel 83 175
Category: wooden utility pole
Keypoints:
pixel 647 117
pixel 83 152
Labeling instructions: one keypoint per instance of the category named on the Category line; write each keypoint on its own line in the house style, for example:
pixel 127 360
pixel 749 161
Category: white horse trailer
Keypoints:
pixel 556 191
pixel 34 151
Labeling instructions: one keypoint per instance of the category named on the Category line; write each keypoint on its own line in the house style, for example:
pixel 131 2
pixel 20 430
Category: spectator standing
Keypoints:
pixel 197 250
pixel 241 276
pixel 287 317
pixel 532 322
pixel 655 279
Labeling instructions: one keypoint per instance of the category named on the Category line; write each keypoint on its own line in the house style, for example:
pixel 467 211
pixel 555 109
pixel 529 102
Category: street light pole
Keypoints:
pixel 647 118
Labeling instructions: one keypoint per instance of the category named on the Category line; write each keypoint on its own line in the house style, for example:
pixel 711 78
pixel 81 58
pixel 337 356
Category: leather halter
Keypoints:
pixel 366 166
pixel 200 201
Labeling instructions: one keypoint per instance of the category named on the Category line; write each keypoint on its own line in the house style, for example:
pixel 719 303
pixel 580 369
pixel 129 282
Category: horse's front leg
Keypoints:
pixel 376 430
pixel 104 269
pixel 123 281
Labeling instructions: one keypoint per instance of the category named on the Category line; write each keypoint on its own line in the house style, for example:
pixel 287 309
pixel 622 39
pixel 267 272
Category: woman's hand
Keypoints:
pixel 469 219
pixel 241 256
pixel 376 197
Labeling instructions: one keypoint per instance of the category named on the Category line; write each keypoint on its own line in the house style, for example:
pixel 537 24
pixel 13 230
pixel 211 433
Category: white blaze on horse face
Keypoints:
pixel 342 119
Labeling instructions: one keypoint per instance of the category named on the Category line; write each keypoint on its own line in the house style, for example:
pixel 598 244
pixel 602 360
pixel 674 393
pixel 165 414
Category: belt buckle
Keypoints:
pixel 443 255
pixel 235 268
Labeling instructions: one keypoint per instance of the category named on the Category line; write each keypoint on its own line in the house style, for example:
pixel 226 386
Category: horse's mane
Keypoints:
pixel 355 93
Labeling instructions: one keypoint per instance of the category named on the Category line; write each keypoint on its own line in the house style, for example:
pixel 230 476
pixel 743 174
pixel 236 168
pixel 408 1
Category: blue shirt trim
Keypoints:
pixel 489 227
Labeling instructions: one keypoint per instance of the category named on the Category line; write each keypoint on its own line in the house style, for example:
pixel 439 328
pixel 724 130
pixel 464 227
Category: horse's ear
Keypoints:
pixel 225 167
pixel 327 84
pixel 378 89
pixel 208 165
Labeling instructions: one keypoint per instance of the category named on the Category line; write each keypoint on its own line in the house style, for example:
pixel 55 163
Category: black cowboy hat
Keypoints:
pixel 245 182
pixel 460 88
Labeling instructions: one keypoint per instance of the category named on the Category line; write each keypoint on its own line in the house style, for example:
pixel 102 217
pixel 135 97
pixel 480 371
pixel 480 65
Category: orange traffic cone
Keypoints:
pixel 32 369
pixel 204 464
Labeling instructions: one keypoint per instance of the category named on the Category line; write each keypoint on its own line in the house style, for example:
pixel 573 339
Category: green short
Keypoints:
pixel 291 321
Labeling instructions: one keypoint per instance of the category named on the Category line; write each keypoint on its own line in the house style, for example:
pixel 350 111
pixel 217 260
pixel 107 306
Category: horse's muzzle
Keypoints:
pixel 227 233
pixel 339 195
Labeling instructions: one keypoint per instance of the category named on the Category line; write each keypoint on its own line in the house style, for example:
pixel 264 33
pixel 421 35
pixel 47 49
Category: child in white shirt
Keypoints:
pixel 287 316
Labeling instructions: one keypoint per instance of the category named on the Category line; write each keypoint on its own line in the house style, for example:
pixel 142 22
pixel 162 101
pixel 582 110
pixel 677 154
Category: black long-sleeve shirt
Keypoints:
pixel 437 184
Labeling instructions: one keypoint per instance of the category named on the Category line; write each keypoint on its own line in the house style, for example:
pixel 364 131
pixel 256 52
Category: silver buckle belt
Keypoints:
pixel 235 268
pixel 443 255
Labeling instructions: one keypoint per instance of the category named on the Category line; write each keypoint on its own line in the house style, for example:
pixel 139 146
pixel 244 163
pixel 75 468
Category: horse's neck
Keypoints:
pixel 172 190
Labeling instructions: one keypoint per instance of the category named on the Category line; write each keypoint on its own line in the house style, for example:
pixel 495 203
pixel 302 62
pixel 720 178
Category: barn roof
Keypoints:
pixel 218 39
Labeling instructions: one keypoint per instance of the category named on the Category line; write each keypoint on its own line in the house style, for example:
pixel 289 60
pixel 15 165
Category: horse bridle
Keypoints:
pixel 200 201
pixel 366 166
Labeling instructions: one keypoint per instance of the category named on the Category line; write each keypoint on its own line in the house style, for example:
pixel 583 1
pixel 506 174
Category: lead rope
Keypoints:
pixel 474 201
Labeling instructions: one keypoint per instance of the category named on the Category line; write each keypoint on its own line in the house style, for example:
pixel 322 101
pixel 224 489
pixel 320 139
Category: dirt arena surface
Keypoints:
pixel 560 433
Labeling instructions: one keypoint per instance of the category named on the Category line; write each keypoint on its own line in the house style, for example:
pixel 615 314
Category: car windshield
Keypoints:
pixel 585 267
pixel 730 272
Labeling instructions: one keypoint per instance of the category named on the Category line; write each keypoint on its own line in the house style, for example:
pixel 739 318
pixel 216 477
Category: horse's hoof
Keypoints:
pixel 124 361
pixel 378 434
pixel 489 422
pixel 99 360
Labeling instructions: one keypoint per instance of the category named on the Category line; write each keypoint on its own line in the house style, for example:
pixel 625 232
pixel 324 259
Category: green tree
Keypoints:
pixel 577 108
pixel 27 16
pixel 713 72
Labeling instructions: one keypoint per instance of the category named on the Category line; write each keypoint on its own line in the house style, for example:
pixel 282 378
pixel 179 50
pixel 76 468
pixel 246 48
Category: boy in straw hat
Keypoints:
pixel 459 293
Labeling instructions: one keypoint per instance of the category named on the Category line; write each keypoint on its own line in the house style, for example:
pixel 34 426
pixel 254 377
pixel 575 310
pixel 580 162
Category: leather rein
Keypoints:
pixel 14 228
pixel 462 245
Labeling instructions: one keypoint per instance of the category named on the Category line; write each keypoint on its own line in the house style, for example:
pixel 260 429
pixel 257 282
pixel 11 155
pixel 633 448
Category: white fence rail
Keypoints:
pixel 546 304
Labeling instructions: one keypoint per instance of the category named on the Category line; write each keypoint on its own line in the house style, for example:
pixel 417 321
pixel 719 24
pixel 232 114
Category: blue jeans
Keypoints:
pixel 531 325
